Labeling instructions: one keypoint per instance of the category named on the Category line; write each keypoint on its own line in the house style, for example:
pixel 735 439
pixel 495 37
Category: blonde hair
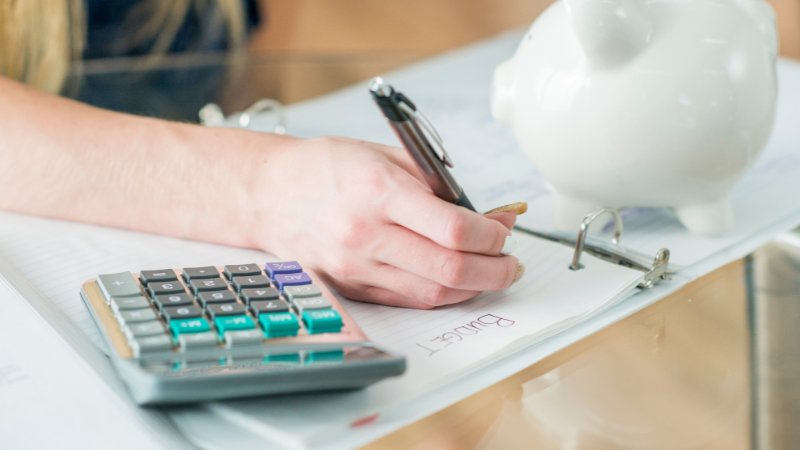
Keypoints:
pixel 42 40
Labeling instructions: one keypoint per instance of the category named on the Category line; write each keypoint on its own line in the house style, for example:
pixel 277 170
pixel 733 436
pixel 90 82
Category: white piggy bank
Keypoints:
pixel 625 103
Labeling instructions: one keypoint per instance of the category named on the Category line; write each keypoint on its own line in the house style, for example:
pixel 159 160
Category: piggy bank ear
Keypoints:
pixel 503 92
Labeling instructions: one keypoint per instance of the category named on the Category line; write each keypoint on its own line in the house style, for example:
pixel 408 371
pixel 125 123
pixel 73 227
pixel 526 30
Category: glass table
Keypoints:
pixel 714 365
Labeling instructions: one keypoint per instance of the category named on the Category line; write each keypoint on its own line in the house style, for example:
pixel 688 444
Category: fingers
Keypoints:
pixel 418 255
pixel 449 225
pixel 402 289
pixel 508 219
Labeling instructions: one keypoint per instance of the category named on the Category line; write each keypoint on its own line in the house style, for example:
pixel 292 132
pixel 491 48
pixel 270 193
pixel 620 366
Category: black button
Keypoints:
pixel 268 306
pixel 207 297
pixel 181 312
pixel 166 300
pixel 242 270
pixel 255 281
pixel 166 287
pixel 211 284
pixel 253 294
pixel 225 309
pixel 197 273
pixel 153 276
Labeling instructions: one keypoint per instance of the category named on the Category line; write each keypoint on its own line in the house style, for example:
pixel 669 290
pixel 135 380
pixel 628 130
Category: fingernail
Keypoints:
pixel 517 208
pixel 509 245
pixel 519 274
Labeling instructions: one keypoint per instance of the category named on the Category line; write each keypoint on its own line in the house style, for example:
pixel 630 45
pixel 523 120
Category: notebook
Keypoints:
pixel 441 345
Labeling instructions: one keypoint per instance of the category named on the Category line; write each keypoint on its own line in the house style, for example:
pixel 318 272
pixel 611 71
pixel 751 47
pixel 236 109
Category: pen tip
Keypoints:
pixel 378 86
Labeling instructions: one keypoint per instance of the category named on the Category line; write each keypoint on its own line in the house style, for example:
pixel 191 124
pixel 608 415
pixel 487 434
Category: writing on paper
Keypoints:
pixel 462 332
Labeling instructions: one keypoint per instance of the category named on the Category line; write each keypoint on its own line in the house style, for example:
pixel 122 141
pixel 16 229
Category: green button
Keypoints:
pixel 331 356
pixel 193 325
pixel 322 321
pixel 228 323
pixel 285 358
pixel 279 324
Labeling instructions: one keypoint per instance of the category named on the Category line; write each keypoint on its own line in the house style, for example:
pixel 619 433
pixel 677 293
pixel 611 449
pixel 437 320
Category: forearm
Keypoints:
pixel 66 160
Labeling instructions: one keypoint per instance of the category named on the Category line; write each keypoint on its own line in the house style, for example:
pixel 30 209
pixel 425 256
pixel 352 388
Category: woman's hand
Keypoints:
pixel 359 215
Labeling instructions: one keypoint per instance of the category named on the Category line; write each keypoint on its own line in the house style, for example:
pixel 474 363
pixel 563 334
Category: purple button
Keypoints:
pixel 291 279
pixel 275 268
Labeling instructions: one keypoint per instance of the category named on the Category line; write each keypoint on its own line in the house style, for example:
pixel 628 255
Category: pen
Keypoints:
pixel 420 141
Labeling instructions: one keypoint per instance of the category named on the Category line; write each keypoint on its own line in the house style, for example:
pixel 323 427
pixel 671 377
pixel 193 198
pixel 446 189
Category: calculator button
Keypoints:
pixel 309 303
pixel 308 290
pixel 194 340
pixel 211 284
pixel 283 280
pixel 241 270
pixel 181 312
pixel 268 306
pixel 136 315
pixel 322 321
pixel 225 309
pixel 197 273
pixel 153 276
pixel 278 267
pixel 149 344
pixel 209 297
pixel 165 287
pixel 118 285
pixel 255 281
pixel 141 329
pixel 243 337
pixel 167 300
pixel 282 358
pixel 122 303
pixel 324 357
pixel 267 293
pixel 229 323
pixel 195 325
pixel 280 324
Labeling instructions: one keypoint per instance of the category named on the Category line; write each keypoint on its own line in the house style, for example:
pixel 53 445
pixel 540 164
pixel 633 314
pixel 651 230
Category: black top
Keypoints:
pixel 171 91
pixel 113 24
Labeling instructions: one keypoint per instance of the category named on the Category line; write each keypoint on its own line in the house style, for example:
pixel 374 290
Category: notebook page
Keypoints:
pixel 57 257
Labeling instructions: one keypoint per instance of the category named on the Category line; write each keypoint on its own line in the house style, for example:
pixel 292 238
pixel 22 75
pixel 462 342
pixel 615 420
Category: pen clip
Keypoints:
pixel 426 127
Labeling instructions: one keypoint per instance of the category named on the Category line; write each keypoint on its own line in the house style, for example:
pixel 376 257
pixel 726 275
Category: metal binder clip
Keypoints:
pixel 580 243
pixel 211 115
pixel 655 269
pixel 653 272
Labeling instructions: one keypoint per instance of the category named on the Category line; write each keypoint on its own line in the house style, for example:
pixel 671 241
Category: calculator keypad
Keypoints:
pixel 243 305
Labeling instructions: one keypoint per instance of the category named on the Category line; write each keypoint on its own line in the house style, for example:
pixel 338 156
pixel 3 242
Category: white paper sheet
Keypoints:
pixel 50 397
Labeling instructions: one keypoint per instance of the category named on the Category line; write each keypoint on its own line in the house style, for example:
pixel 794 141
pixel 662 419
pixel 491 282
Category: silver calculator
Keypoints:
pixel 206 333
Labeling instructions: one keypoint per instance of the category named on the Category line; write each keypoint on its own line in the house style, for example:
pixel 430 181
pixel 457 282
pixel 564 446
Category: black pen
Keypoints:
pixel 420 141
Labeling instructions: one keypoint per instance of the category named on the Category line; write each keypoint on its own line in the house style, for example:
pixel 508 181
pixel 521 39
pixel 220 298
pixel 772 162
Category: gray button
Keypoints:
pixel 265 293
pixel 118 285
pixel 194 273
pixel 149 344
pixel 209 297
pixel 141 329
pixel 309 303
pixel 156 276
pixel 241 270
pixel 124 303
pixel 268 306
pixel 243 337
pixel 135 316
pixel 308 290
pixel 188 341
